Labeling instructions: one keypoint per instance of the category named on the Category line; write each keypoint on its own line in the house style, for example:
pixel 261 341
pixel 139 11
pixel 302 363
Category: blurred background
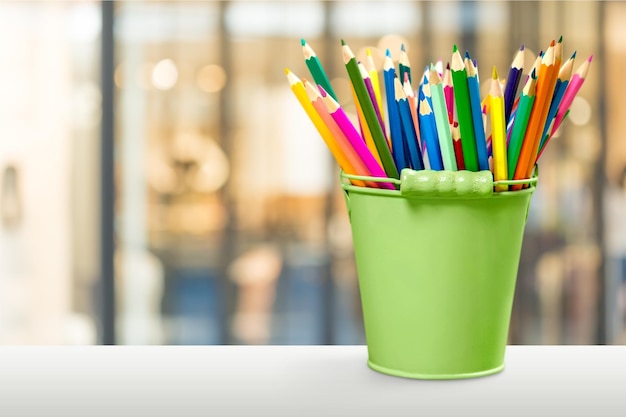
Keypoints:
pixel 161 185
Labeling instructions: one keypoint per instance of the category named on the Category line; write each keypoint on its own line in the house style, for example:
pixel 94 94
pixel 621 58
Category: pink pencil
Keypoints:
pixel 353 137
pixel 448 92
pixel 570 93
pixel 340 138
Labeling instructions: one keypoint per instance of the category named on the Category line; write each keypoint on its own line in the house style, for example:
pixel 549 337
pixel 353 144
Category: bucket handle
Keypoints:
pixel 344 176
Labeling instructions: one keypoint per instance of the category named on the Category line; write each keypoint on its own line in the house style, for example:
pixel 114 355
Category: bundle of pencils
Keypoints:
pixel 441 124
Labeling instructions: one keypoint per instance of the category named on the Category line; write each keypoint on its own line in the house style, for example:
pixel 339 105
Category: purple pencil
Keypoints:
pixel 512 82
pixel 370 91
pixel 353 137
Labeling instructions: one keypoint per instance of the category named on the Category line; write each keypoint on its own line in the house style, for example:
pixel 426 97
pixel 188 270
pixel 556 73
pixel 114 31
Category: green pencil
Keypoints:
pixel 368 111
pixel 464 110
pixel 524 107
pixel 315 68
pixel 441 119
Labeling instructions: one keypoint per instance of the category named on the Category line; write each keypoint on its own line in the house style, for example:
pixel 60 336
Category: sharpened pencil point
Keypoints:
pixel 467 55
pixel 552 43
pixel 322 91
pixel 561 39
pixel 343 42
pixel 521 48
pixel 494 74
pixel 368 51
pixel 303 42
pixel 590 58
pixel 573 55
pixel 287 71
pixel 388 53
pixel 402 47
pixel 454 48
pixel 533 74
pixel 448 66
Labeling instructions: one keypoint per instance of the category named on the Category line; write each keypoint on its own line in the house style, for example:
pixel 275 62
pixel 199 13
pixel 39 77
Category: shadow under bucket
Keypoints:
pixel 437 268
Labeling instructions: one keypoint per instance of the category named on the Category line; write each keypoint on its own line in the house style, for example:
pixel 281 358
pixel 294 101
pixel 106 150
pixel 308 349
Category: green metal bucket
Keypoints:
pixel 437 274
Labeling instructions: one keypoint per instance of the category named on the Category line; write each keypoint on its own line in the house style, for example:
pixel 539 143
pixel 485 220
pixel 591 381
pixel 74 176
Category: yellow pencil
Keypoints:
pixel 300 92
pixel 498 131
pixel 371 69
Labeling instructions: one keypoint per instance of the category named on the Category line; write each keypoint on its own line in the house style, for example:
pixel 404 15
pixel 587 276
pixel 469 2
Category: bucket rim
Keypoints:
pixel 348 187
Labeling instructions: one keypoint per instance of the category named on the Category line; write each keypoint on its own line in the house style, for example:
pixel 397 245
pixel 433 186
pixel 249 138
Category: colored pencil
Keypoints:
pixel 520 122
pixel 338 153
pixel 315 68
pixel 546 79
pixel 441 121
pixel 353 137
pixel 570 93
pixel 318 103
pixel 372 95
pixel 458 148
pixel 373 73
pixel 395 127
pixel 464 112
pixel 512 82
pixel 428 131
pixel 448 92
pixel 364 128
pixel 403 64
pixel 562 81
pixel 498 131
pixel 412 99
pixel 473 87
pixel 368 111
pixel 415 156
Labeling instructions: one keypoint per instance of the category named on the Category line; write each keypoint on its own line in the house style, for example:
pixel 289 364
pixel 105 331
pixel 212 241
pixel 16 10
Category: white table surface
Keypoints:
pixel 299 381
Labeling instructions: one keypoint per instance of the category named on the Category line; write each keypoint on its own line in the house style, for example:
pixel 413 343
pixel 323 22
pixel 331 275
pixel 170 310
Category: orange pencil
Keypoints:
pixel 546 81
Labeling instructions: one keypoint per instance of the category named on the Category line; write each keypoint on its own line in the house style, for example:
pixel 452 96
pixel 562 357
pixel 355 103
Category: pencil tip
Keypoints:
pixel 448 66
pixel 368 51
pixel 454 48
pixel 533 74
pixel 343 42
pixel 590 58
pixel 388 53
pixel 287 71
pixel 322 91
pixel 552 43
pixel 402 47
pixel 302 41
pixel 561 39
pixel 573 55
pixel 494 73
pixel 467 55
pixel 521 48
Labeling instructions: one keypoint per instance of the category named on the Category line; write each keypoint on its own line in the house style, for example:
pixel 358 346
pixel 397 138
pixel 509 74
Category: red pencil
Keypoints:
pixel 458 147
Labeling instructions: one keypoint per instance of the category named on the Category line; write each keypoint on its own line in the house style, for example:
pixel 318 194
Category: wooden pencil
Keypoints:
pixel 520 122
pixel 373 73
pixel 498 131
pixel 340 157
pixel 473 87
pixel 464 113
pixel 441 121
pixel 546 78
pixel 410 136
pixel 512 82
pixel 315 68
pixel 368 111
pixel 428 130
pixel 395 127
pixel 353 137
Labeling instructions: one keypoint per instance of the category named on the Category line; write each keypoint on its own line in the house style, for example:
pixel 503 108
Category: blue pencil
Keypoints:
pixel 428 130
pixel 477 114
pixel 415 156
pixel 395 127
